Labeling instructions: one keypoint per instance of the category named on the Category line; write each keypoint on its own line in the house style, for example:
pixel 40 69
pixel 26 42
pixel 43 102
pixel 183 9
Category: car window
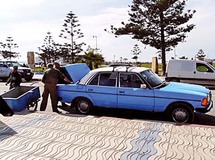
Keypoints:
pixel 3 65
pixel 130 80
pixel 203 68
pixel 152 78
pixel 107 79
pixel 95 80
pixel 104 79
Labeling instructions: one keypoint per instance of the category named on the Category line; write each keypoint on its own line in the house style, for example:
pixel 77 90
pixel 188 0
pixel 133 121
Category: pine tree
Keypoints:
pixel 157 23
pixel 72 33
pixel 7 52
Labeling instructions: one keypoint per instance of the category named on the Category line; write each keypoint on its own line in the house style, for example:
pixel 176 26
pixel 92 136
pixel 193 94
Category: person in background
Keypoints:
pixel 15 78
pixel 50 80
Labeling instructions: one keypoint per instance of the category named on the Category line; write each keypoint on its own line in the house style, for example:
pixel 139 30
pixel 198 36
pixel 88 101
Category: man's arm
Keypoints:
pixel 62 76
pixel 67 80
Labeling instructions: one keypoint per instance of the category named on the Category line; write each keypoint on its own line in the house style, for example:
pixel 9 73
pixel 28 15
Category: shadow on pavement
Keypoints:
pixel 202 119
pixel 5 131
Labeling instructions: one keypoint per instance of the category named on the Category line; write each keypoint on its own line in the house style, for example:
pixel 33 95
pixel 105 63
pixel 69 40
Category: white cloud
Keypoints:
pixel 28 21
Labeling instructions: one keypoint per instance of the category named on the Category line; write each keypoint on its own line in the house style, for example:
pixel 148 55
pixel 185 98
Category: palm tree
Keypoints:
pixel 91 59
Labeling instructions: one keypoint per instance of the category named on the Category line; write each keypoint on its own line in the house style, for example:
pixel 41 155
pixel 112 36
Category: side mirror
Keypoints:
pixel 143 86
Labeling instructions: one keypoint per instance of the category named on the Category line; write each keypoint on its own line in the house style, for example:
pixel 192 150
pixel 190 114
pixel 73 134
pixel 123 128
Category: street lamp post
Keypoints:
pixel 96 49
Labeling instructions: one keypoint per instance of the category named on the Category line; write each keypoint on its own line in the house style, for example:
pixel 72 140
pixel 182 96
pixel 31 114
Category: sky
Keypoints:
pixel 28 21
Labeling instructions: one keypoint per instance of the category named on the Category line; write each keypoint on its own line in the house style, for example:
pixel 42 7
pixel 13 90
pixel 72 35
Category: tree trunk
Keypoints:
pixel 163 46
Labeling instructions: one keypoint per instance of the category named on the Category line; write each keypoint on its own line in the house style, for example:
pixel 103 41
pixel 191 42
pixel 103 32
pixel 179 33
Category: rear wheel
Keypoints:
pixel 5 79
pixel 32 104
pixel 83 105
pixel 182 113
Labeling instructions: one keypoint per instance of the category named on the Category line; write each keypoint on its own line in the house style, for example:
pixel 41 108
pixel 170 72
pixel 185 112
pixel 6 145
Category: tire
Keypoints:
pixel 83 105
pixel 182 113
pixel 32 104
pixel 5 79
pixel 28 79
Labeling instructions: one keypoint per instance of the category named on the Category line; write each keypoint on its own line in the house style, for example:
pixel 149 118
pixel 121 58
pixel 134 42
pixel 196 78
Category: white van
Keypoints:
pixel 191 71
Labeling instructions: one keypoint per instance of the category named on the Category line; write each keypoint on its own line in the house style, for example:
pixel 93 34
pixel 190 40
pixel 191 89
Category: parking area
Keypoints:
pixel 40 135
pixel 46 135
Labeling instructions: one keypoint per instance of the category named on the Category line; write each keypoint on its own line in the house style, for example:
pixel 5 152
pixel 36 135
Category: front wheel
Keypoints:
pixel 83 105
pixel 182 113
pixel 28 79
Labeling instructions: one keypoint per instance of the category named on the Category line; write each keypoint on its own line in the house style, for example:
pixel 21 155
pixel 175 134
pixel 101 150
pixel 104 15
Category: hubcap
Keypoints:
pixel 83 106
pixel 180 115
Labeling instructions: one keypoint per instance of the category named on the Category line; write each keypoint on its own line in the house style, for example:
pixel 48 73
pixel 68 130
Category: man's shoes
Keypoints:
pixel 57 111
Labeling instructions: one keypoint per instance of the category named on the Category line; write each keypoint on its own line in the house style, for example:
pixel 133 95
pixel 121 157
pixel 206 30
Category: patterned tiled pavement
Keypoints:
pixel 49 136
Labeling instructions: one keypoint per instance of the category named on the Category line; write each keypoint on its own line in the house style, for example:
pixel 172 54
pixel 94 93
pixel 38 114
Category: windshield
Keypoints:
pixel 152 78
pixel 12 63
pixel 211 66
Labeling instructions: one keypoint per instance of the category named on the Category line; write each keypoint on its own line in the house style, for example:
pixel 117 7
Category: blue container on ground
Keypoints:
pixel 18 98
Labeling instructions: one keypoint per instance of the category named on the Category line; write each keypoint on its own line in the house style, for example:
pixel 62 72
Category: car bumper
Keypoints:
pixel 206 109
pixel 28 74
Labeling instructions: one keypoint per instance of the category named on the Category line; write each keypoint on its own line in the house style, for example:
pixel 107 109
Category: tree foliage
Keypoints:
pixel 7 47
pixel 157 23
pixel 200 55
pixel 93 60
pixel 71 32
pixel 49 49
pixel 135 52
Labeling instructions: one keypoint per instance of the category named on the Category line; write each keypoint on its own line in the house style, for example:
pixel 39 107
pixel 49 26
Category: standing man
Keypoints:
pixel 50 80
pixel 57 66
pixel 15 78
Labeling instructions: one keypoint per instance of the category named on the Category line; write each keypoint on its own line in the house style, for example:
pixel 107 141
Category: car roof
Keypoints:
pixel 78 71
pixel 121 69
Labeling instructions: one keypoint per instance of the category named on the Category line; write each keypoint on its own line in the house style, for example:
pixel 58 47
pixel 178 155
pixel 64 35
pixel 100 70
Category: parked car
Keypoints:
pixel 4 72
pixel 191 71
pixel 25 72
pixel 135 88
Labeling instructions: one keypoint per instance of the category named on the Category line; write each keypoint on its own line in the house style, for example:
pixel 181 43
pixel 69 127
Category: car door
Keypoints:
pixel 4 70
pixel 204 71
pixel 131 95
pixel 103 89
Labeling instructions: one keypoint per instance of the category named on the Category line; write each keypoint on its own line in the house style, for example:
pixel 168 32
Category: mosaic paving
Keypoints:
pixel 42 136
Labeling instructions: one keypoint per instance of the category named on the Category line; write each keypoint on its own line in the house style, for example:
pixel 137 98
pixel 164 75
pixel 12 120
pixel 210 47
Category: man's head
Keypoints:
pixel 57 65
pixel 50 65
pixel 15 68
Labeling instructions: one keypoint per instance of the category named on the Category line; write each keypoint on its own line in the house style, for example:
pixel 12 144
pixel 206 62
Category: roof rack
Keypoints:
pixel 127 67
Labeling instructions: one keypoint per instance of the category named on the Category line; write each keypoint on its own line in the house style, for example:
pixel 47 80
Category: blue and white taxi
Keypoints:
pixel 135 88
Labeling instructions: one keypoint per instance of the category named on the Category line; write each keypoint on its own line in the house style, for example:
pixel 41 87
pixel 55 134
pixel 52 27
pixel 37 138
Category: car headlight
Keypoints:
pixel 20 70
pixel 209 97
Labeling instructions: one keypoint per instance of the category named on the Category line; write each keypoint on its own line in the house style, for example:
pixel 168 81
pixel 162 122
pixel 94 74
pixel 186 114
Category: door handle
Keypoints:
pixel 90 90
pixel 121 91
pixel 194 72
